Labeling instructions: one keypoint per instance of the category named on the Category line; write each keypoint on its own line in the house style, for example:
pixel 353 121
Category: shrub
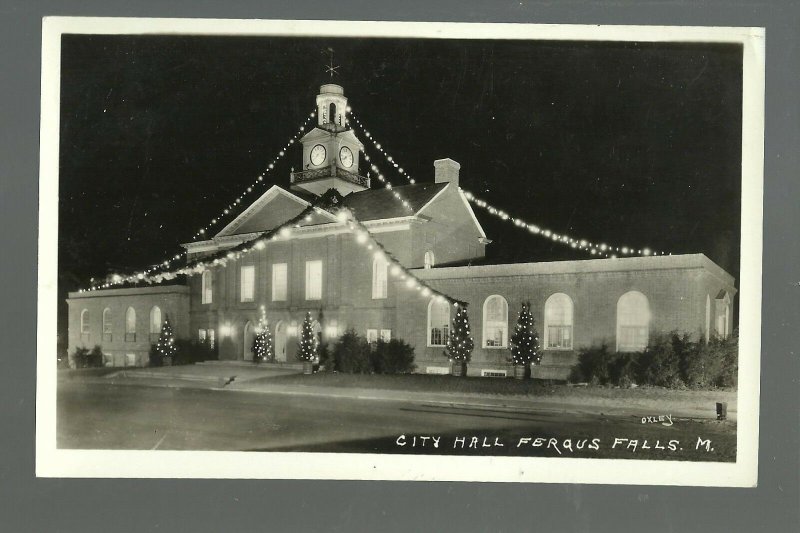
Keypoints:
pixel 624 369
pixel 393 357
pixel 326 358
pixel 714 364
pixel 352 353
pixel 188 352
pixel 593 366
pixel 83 358
pixel 659 364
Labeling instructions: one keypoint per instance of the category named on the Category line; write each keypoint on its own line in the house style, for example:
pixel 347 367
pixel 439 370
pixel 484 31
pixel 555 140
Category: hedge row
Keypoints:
pixel 352 354
pixel 673 361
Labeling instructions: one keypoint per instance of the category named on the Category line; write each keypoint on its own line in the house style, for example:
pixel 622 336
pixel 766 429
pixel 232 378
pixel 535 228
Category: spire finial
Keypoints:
pixel 330 68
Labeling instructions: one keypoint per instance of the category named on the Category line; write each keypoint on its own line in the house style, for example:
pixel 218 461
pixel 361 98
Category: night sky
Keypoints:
pixel 626 143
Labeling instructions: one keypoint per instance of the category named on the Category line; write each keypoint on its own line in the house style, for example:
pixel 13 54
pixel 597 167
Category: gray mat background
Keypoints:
pixel 30 504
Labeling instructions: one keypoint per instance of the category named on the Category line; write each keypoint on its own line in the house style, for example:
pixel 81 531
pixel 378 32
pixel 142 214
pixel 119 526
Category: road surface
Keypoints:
pixel 113 416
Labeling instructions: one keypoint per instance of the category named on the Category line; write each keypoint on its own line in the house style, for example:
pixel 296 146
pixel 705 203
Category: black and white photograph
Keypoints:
pixel 485 252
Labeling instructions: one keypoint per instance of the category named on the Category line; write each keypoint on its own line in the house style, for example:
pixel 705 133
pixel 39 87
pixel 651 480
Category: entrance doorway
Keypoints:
pixel 280 341
pixel 249 338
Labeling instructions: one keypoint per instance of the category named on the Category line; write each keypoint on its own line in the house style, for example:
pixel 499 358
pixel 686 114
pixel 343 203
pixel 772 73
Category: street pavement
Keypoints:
pixel 134 414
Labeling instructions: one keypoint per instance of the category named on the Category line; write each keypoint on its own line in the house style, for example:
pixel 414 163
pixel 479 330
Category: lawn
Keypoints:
pixel 507 387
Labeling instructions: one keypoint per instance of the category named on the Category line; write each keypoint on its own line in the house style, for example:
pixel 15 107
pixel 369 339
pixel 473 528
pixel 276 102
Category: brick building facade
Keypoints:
pixel 319 266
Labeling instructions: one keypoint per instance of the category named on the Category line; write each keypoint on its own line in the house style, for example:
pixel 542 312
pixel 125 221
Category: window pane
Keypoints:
pixel 155 320
pixel 248 283
pixel 379 277
pixel 130 321
pixel 439 322
pixel 206 289
pixel 313 280
pixel 279 282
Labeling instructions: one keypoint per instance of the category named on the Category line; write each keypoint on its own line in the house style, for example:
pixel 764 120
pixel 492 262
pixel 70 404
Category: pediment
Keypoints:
pixel 272 209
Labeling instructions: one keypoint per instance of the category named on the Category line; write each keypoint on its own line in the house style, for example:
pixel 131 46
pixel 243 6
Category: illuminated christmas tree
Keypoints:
pixel 460 343
pixel 308 341
pixel 524 343
pixel 165 347
pixel 263 349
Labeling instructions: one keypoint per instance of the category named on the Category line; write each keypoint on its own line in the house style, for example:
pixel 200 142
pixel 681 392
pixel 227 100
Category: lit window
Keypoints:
pixel 495 322
pixel 314 280
pixel 633 322
pixel 207 289
pixel 379 277
pixel 130 325
pixel 372 336
pixel 155 322
pixel 558 322
pixel 201 335
pixel 429 260
pixel 85 322
pixel 211 339
pixel 279 282
pixel 438 323
pixel 248 283
pixel 722 312
pixel 107 325
pixel 386 335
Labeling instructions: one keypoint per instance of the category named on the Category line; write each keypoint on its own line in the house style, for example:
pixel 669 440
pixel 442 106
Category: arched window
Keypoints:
pixel 633 322
pixel 130 325
pixel 107 324
pixel 379 277
pixel 438 322
pixel 429 260
pixel 206 289
pixel 85 325
pixel 332 113
pixel 722 314
pixel 558 315
pixel 495 322
pixel 155 322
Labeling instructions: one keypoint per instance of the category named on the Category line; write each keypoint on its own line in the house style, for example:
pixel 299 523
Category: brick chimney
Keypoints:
pixel 446 170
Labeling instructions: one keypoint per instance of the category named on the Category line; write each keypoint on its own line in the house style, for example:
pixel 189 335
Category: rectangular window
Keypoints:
pixel 248 283
pixel 206 288
pixel 386 335
pixel 201 335
pixel 279 282
pixel 314 280
pixel 372 336
pixel 211 339
pixel 559 337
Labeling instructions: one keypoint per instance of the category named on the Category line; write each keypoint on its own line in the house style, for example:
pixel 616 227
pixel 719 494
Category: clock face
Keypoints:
pixel 318 154
pixel 346 157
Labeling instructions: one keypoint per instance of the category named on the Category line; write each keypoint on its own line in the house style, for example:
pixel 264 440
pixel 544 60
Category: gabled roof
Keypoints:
pixel 257 217
pixel 376 204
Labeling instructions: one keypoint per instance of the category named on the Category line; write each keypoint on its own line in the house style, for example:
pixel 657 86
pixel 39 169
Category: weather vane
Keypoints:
pixel 330 67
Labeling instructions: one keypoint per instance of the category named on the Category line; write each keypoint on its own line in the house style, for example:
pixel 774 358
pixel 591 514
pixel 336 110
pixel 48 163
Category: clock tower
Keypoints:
pixel 330 150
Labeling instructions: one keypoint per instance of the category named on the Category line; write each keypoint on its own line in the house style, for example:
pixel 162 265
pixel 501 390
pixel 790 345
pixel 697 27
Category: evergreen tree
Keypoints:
pixel 460 343
pixel 308 341
pixel 263 349
pixel 165 347
pixel 524 343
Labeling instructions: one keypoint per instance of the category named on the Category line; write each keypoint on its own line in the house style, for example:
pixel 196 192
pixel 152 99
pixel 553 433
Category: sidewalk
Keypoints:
pixel 254 379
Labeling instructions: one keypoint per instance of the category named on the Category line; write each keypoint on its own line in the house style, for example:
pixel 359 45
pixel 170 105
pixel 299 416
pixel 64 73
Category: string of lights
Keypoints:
pixel 283 232
pixel 281 153
pixel 594 248
pixel 118 279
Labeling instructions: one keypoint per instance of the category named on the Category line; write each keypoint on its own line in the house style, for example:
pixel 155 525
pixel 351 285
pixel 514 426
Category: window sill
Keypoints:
pixel 495 347
pixel 559 349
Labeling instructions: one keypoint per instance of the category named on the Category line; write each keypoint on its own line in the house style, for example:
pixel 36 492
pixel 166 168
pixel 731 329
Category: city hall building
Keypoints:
pixel 321 267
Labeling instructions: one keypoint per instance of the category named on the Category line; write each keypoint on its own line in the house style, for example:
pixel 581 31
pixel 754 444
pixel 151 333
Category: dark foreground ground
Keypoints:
pixel 109 416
